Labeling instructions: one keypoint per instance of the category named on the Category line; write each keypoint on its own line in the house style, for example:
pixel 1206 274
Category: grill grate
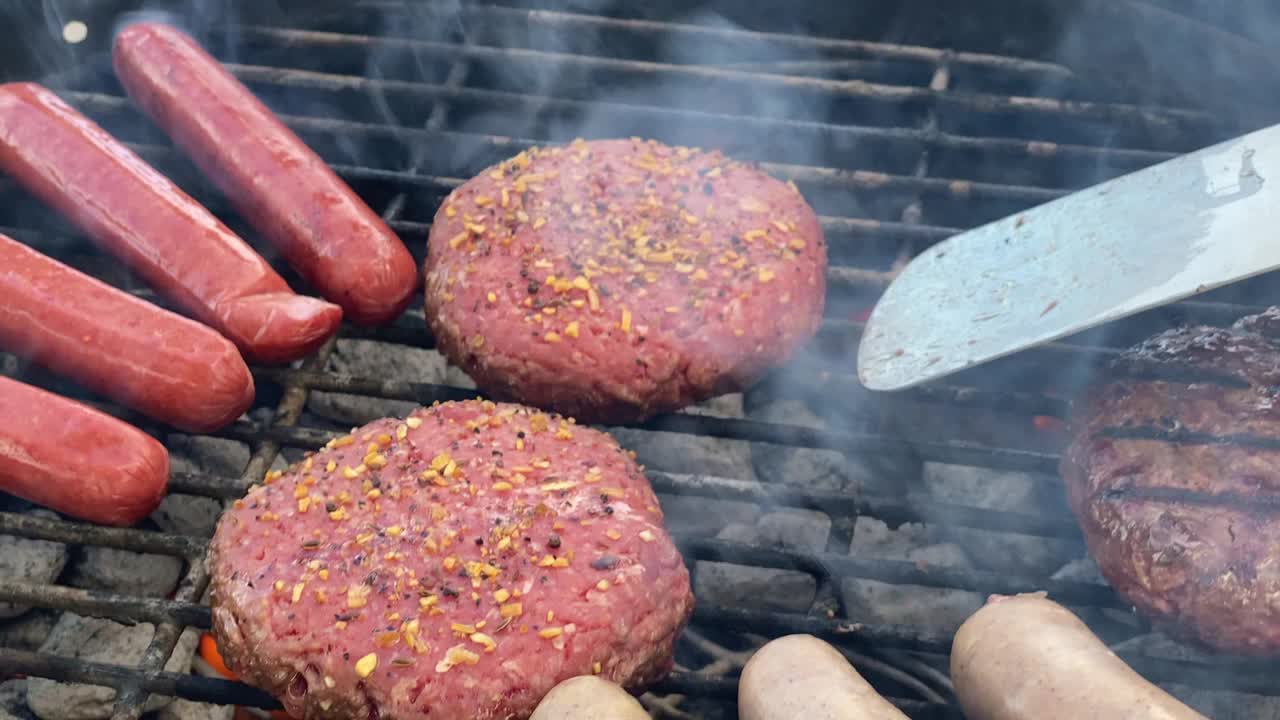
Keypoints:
pixel 909 145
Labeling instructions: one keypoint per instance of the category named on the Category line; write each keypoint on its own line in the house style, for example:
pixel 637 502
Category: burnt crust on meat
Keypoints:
pixel 613 280
pixel 1176 486
pixel 458 563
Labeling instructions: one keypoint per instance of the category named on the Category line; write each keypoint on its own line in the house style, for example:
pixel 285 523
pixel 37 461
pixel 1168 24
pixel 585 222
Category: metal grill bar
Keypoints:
pixel 694 33
pixel 125 608
pixel 1244 675
pixel 837 229
pixel 221 692
pixel 132 695
pixel 225 692
pixel 1015 147
pixel 121 538
pixel 897 572
pixel 410 180
pixel 893 511
pixel 208 485
pixel 950 452
pixel 1240 676
pixel 828 132
pixel 820 565
pixel 1115 113
pixel 953 452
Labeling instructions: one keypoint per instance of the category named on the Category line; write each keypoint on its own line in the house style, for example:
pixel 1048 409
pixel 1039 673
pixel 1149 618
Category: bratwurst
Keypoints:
pixel 1029 658
pixel 587 697
pixel 802 677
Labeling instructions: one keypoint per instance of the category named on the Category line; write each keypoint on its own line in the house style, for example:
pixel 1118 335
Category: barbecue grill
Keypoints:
pixel 897 146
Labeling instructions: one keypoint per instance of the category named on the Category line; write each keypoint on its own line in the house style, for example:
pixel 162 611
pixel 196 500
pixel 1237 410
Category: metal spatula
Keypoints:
pixel 1183 227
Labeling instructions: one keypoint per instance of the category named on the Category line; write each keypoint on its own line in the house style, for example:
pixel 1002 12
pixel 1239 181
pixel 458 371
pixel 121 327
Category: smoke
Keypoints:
pixel 567 95
pixel 702 97
pixel 749 117
pixel 431 22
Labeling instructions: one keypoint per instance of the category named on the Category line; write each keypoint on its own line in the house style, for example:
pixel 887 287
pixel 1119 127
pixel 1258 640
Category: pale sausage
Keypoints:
pixel 1028 658
pixel 799 677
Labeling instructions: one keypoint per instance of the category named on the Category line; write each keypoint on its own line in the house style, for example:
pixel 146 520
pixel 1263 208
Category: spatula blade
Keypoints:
pixel 1161 234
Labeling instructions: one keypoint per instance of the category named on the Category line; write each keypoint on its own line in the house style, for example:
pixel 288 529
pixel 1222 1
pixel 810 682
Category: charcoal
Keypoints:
pixel 1214 704
pixel 10 365
pixel 766 588
pixel 1157 644
pixel 1226 705
pixel 181 709
pixel 28 631
pixel 13 700
pixel 371 359
pixel 995 489
pixel 1006 491
pixel 1080 570
pixel 188 515
pixel 815 469
pixel 213 456
pixel 870 601
pixel 1011 552
pixel 941 609
pixel 105 641
pixel 804 530
pixel 693 454
pixel 752 588
pixel 704 517
pixel 121 571
pixel 912 542
pixel 32 561
pixel 874 537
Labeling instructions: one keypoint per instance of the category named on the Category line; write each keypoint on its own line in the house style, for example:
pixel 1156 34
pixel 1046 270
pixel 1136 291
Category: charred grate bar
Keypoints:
pixel 974 102
pixel 881 206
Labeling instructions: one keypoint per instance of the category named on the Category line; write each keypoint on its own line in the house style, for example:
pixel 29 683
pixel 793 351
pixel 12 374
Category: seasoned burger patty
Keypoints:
pixel 1188 531
pixel 456 564
pixel 614 280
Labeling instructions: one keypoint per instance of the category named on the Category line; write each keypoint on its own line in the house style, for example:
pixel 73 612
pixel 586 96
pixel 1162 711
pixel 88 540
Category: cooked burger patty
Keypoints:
pixel 1188 531
pixel 455 564
pixel 617 279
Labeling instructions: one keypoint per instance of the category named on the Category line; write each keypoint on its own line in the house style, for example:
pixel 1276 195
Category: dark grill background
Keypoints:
pixel 897 146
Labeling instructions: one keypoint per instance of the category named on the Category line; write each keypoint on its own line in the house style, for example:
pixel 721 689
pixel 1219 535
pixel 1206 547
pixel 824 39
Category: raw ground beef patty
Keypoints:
pixel 1187 530
pixel 454 565
pixel 614 280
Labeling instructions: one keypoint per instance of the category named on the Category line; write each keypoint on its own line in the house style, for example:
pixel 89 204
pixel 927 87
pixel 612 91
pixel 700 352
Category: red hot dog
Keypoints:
pixel 163 365
pixel 282 187
pixel 77 460
pixel 141 217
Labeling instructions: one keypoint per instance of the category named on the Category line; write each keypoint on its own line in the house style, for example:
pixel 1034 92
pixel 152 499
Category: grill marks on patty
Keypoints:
pixel 1183 520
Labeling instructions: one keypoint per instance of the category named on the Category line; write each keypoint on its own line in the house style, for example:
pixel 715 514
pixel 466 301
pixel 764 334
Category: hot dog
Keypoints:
pixel 141 217
pixel 800 676
pixel 77 460
pixel 165 366
pixel 588 697
pixel 1025 657
pixel 282 187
